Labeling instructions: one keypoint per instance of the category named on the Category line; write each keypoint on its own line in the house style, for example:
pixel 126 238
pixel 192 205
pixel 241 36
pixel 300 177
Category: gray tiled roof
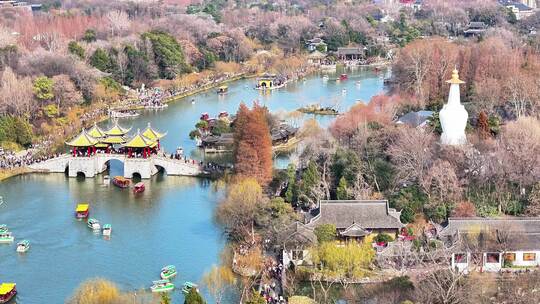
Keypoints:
pixel 508 233
pixel 297 234
pixel 415 119
pixel 354 230
pixel 367 214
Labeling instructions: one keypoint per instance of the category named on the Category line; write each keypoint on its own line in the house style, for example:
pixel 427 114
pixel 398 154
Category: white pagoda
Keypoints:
pixel 453 115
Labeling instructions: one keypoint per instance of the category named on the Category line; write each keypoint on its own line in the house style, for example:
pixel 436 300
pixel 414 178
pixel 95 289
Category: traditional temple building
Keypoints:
pixel 96 132
pixel 453 115
pixel 116 135
pixel 140 146
pixel 153 135
pixel 83 144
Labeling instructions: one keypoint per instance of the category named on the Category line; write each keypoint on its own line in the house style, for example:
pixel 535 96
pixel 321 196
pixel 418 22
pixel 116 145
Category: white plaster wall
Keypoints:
pixel 519 258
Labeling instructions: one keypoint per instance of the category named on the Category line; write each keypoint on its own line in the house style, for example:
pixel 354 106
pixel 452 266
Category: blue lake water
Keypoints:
pixel 170 223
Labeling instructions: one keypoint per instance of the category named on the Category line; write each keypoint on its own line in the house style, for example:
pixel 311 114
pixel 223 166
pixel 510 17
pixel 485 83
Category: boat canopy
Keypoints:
pixel 96 131
pixel 6 288
pixel 106 226
pixel 140 141
pixel 169 267
pixel 164 281
pixel 83 140
pixel 152 134
pixel 117 130
pixel 121 178
pixel 82 208
pixel 24 243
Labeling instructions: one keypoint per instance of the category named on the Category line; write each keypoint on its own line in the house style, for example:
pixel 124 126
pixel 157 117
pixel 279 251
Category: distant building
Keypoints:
pixel 316 58
pixel 417 119
pixel 475 29
pixel 19 4
pixel 519 9
pixel 491 244
pixel 350 53
pixel 316 44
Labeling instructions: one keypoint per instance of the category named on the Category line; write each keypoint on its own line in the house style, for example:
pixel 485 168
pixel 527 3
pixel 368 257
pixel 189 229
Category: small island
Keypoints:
pixel 318 110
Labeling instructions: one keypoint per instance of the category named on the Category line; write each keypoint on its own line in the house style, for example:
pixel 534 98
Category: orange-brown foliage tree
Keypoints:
pixel 464 209
pixel 253 144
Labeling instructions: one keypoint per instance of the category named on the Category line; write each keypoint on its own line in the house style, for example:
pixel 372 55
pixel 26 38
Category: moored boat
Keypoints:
pixel 343 77
pixel 168 272
pixel 6 237
pixel 7 292
pixel 82 211
pixel 222 89
pixel 138 188
pixel 94 224
pixel 188 286
pixel 325 78
pixel 123 114
pixel 121 182
pixel 106 179
pixel 23 246
pixel 107 229
pixel 162 286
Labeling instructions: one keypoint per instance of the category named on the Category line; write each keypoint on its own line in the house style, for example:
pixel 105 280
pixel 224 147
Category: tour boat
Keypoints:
pixel 138 188
pixel 93 224
pixel 188 286
pixel 162 286
pixel 3 228
pixel 23 246
pixel 7 292
pixel 82 211
pixel 6 237
pixel 120 181
pixel 125 114
pixel 168 272
pixel 107 230
pixel 343 77
pixel 222 89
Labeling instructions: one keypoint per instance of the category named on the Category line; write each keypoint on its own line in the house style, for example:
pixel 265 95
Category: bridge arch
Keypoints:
pixel 81 175
pixel 136 176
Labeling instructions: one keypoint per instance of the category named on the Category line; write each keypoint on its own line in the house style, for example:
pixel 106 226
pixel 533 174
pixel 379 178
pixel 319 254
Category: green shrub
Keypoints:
pixel 325 233
pixel 50 111
pixel 383 238
pixel 75 49
pixel 15 130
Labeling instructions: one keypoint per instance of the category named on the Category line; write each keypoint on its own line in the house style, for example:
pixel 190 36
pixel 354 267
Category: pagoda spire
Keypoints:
pixel 453 115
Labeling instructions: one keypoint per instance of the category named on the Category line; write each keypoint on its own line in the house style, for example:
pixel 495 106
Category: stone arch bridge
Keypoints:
pixel 92 165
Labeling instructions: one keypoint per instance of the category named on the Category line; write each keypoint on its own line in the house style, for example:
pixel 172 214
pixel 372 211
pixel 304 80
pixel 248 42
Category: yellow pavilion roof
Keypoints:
pixel 152 134
pixel 140 141
pixel 81 208
pixel 96 131
pixel 113 139
pixel 101 145
pixel 6 288
pixel 82 140
pixel 117 130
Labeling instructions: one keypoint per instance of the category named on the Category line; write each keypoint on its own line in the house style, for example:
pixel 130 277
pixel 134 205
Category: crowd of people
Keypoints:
pixel 271 291
pixel 11 160
pixel 152 98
